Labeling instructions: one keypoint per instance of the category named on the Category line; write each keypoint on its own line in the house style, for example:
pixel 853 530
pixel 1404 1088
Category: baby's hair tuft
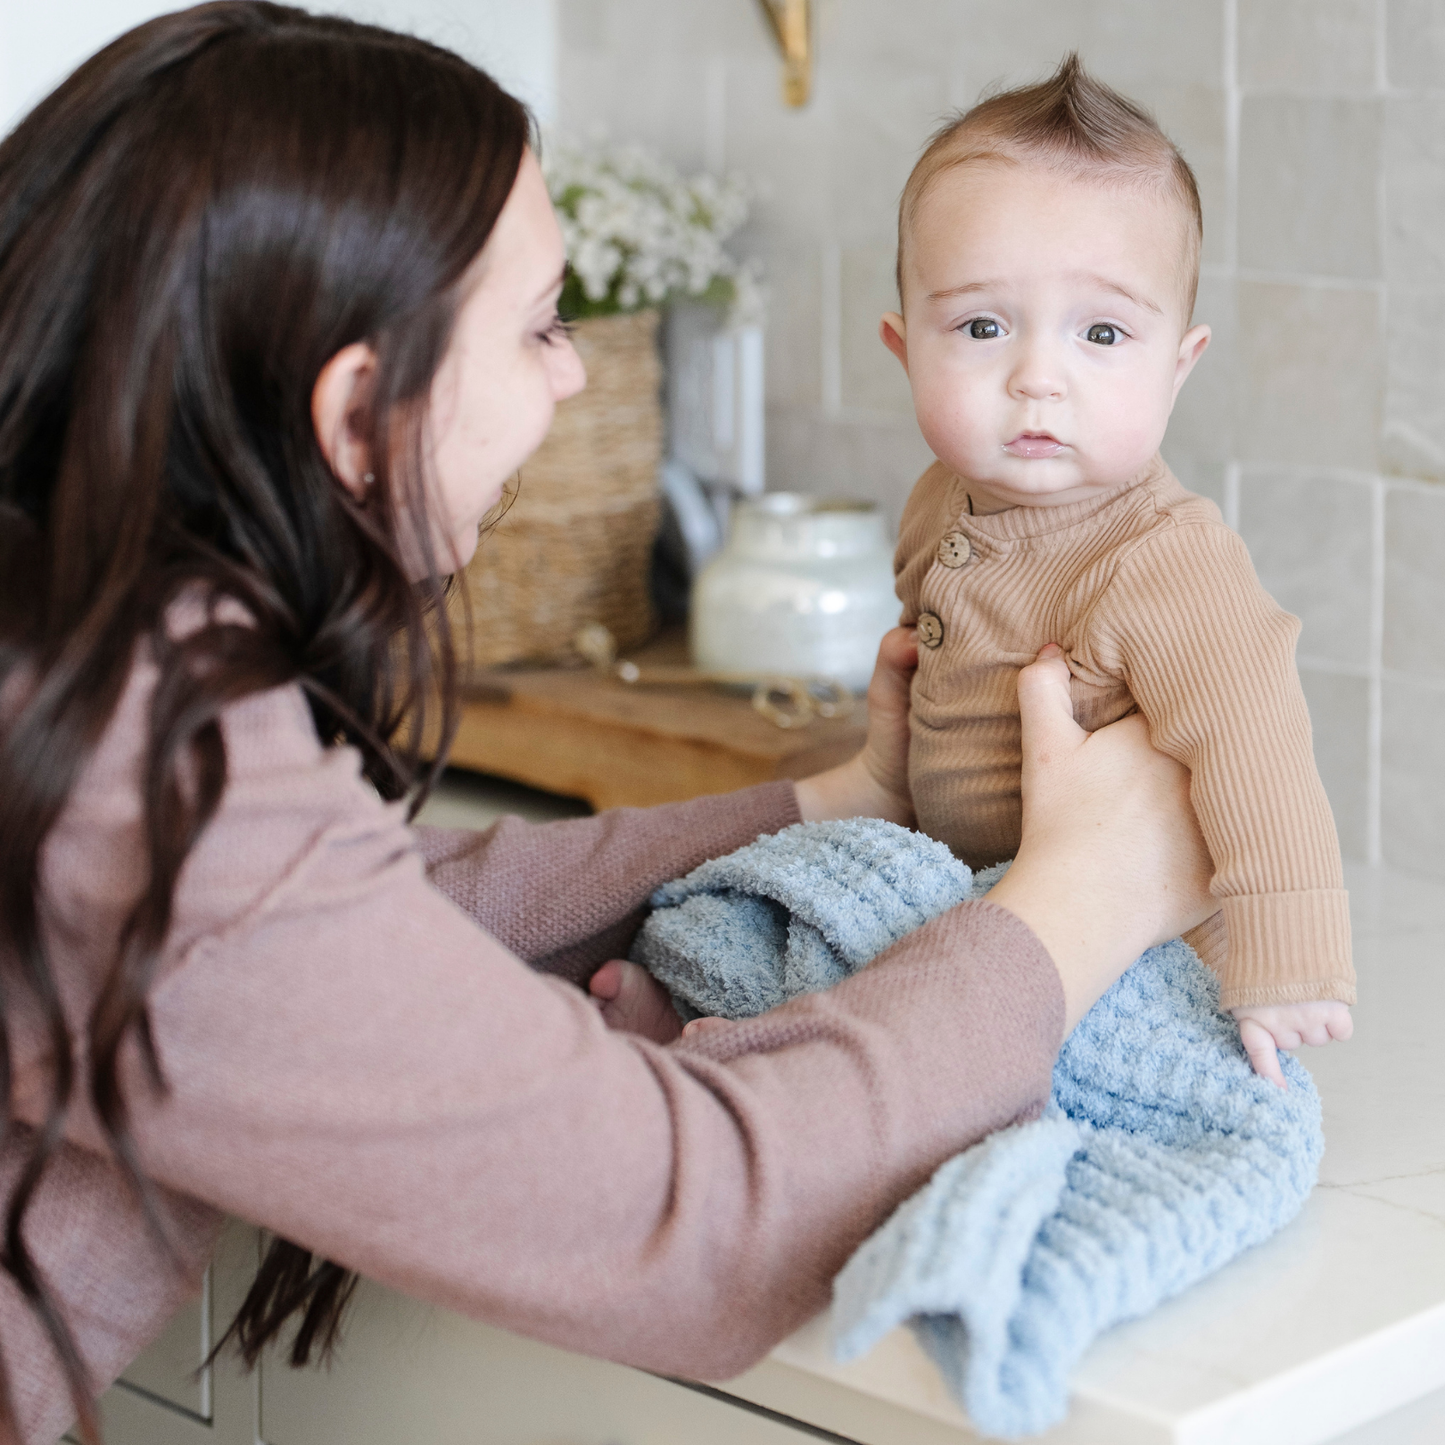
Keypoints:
pixel 1071 122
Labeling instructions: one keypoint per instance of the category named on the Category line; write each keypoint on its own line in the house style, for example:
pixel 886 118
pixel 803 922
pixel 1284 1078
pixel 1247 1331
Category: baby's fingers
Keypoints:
pixel 1263 1053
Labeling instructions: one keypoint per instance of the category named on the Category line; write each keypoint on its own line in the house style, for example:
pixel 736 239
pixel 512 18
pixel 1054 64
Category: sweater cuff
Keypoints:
pixel 1288 948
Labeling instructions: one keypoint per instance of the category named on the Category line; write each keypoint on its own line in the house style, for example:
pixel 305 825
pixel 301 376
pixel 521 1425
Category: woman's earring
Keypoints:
pixel 369 478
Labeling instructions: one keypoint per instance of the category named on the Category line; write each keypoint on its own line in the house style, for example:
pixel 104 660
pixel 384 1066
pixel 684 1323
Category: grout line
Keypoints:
pixel 1231 134
pixel 1382 69
pixel 1375 726
pixel 1304 278
pixel 1310 662
pixel 831 329
pixel 1305 471
pixel 715 110
pixel 1414 679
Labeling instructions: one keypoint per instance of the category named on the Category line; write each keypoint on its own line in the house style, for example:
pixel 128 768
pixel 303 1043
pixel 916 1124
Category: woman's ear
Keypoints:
pixel 340 404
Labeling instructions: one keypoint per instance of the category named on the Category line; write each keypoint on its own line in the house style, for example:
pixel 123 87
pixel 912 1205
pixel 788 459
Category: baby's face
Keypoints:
pixel 1044 341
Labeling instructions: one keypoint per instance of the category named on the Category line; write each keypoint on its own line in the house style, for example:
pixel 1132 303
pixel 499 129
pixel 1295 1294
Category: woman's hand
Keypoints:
pixel 1112 860
pixel 874 782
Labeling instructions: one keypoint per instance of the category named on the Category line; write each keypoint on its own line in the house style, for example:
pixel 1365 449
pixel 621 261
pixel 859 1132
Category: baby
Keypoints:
pixel 1048 257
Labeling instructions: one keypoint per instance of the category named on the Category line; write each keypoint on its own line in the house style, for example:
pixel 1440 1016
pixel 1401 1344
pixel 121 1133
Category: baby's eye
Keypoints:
pixel 984 328
pixel 1102 334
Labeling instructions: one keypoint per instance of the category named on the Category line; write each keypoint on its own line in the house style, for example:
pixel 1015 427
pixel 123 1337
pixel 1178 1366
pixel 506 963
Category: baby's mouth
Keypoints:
pixel 1034 444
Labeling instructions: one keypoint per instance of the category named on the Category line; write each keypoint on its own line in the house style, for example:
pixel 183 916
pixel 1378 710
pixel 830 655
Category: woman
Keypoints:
pixel 277 320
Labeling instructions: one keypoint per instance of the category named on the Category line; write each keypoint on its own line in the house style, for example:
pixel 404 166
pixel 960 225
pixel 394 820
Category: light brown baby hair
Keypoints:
pixel 1074 124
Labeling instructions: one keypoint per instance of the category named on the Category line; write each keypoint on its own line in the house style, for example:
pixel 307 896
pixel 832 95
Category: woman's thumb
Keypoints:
pixel 1046 709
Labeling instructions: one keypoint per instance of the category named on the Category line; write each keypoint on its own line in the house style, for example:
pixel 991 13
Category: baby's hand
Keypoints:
pixel 630 999
pixel 1266 1028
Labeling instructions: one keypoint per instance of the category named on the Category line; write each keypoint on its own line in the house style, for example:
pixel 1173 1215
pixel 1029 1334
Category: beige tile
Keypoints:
pixel 582 26
pixel 784 152
pixel 793 336
pixel 1310 538
pixel 872 378
pixel 1201 429
pixel 1309 186
pixel 864 30
pixel 651 101
pixel 1198 475
pixel 1414 160
pixel 1340 715
pixel 1415 44
pixel 1412 793
pixel 1414 440
pixel 882 117
pixel 1192 116
pixel 1310 375
pixel 844 457
pixel 1415 582
pixel 1307 44
pixel 636 28
pixel 1124 42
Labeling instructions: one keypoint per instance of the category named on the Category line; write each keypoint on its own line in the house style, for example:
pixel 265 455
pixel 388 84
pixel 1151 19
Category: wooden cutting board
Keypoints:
pixel 587 735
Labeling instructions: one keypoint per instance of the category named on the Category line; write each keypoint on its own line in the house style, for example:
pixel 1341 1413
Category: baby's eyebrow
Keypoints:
pixel 966 289
pixel 1105 284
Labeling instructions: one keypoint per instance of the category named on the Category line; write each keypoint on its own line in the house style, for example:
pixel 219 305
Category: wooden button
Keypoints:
pixel 954 550
pixel 930 630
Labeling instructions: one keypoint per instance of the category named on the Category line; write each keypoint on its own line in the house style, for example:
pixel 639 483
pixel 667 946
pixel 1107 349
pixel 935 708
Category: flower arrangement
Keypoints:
pixel 639 234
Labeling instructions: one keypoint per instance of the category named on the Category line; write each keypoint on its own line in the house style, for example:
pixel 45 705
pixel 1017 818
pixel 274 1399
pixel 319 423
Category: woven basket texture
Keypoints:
pixel 576 544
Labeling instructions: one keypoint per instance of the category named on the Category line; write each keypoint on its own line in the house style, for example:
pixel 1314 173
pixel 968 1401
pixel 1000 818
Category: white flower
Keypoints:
pixel 637 233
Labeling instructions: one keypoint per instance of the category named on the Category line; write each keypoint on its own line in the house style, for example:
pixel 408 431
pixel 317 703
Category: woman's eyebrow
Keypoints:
pixel 551 286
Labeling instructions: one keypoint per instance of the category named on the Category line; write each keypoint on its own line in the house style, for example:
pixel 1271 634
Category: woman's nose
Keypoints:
pixel 568 374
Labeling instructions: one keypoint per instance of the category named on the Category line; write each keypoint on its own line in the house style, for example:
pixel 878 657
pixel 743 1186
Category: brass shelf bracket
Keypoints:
pixel 791 24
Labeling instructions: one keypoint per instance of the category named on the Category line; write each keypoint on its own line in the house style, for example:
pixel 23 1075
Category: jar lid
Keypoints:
pixel 794 526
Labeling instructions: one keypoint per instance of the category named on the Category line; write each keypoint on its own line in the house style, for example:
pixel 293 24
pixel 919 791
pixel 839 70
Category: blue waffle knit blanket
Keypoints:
pixel 1160 1156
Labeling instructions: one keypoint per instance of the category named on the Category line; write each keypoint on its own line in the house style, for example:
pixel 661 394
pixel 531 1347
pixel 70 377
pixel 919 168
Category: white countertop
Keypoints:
pixel 1337 1320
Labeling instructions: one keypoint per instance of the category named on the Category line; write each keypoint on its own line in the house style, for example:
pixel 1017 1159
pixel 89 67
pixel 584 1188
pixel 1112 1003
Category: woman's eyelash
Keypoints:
pixel 558 329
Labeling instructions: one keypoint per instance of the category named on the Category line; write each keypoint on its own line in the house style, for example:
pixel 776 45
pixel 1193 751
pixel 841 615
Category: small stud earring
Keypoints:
pixel 368 478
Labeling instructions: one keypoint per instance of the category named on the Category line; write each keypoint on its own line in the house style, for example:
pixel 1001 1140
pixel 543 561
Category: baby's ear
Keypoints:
pixel 893 333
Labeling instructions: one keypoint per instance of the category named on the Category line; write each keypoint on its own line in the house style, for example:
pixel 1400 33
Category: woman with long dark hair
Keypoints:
pixel 277 321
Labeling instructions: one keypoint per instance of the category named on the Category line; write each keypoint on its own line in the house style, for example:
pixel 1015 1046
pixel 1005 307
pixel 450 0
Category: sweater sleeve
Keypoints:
pixel 505 878
pixel 1209 657
pixel 354 1064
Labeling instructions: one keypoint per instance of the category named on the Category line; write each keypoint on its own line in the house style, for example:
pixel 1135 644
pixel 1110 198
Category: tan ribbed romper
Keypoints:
pixel 1156 605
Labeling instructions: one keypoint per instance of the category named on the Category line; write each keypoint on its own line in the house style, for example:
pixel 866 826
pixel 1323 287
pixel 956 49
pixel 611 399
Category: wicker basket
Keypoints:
pixel 576 545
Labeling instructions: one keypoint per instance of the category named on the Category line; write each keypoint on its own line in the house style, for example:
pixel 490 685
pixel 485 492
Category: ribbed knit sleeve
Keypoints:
pixel 506 877
pixel 1209 657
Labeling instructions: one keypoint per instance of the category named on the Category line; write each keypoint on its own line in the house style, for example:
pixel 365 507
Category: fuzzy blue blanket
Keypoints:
pixel 1160 1157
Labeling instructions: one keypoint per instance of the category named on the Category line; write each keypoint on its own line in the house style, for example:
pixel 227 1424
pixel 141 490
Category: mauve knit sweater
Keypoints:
pixel 360 1058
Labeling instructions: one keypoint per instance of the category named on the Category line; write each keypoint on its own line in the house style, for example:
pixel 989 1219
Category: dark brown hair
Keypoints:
pixel 191 225
pixel 1076 124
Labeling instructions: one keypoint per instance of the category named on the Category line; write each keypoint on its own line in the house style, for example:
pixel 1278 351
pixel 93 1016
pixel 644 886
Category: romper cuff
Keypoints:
pixel 1288 948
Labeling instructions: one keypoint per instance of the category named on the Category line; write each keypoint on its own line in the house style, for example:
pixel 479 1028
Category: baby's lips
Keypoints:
pixel 1034 445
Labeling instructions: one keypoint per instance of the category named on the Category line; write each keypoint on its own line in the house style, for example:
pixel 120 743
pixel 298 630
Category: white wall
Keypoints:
pixel 515 40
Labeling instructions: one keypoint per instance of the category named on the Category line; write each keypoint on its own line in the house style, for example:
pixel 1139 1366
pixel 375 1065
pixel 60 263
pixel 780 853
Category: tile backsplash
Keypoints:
pixel 1316 419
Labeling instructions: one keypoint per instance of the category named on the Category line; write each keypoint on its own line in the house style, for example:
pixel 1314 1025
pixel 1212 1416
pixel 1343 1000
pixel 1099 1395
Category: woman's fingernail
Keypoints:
pixel 1050 649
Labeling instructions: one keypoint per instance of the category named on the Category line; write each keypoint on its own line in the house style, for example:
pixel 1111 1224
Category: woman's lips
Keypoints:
pixel 1034 444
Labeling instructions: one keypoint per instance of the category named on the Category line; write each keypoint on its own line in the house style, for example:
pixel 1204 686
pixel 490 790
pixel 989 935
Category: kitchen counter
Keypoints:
pixel 1336 1321
pixel 1333 1330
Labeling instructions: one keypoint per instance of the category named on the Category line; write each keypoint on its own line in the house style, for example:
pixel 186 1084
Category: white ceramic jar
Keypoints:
pixel 804 587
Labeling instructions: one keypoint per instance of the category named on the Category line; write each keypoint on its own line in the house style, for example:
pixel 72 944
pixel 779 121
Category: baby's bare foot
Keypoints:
pixel 630 999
